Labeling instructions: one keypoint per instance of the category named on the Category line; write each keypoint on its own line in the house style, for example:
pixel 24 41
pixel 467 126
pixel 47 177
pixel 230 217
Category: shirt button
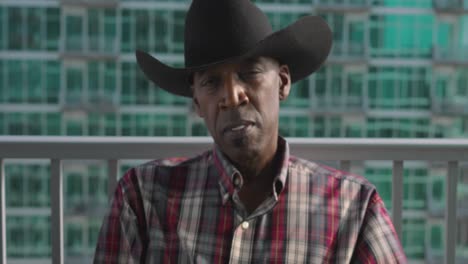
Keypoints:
pixel 245 225
pixel 236 181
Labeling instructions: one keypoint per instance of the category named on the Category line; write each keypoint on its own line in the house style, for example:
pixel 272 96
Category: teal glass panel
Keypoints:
pixel 177 45
pixel 110 82
pixel 3 86
pixel 199 129
pixel 74 85
pixel 93 30
pixel 356 38
pixel 34 36
pixel 126 43
pixel 93 78
pixel 3 31
pixel 437 237
pixel 142 122
pixel 52 81
pixel 179 124
pixel 284 126
pixel 401 36
pixel 355 84
pixel 110 31
pixel 161 125
pixel 414 237
pixel 74 33
pixel 52 28
pixel 53 121
pixel 2 124
pixel 15 28
pixel 74 128
pixel 110 127
pixel 127 83
pixel 301 126
pixel 74 239
pixel 127 124
pixel 74 189
pixel 34 124
pixel 94 124
pixel 15 81
pixel 141 87
pixel 15 187
pixel 141 29
pixel 319 126
pixel 36 182
pixel 34 80
pixel 29 237
pixel 160 33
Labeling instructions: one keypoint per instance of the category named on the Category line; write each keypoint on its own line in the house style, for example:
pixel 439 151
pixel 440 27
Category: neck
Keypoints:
pixel 259 167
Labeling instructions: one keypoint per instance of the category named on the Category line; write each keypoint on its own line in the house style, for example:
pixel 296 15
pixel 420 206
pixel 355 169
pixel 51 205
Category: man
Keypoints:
pixel 247 200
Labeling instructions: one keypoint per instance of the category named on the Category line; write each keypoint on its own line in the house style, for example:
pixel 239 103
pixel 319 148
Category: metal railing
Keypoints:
pixel 114 149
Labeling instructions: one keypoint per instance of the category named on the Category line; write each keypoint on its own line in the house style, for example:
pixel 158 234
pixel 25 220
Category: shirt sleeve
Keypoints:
pixel 377 240
pixel 123 237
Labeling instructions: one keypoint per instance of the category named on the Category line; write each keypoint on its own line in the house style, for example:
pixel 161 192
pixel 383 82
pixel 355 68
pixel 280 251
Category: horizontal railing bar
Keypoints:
pixel 56 204
pixel 2 213
pixel 159 147
pixel 451 212
pixel 397 197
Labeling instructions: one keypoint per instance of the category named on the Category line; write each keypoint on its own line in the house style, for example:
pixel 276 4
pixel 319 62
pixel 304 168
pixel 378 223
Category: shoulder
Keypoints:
pixel 163 174
pixel 320 174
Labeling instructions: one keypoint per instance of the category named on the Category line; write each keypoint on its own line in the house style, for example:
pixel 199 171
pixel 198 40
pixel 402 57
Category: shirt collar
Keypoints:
pixel 230 178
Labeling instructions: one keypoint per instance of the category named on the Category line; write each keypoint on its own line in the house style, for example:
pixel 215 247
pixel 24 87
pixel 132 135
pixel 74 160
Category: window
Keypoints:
pixel 15 28
pixel 399 88
pixel 126 44
pixel 74 33
pixel 75 86
pixel 177 44
pixel 34 18
pixel 52 81
pixel 401 35
pixel 141 29
pixel 3 28
pixel 15 81
pixel 34 81
pixel 52 28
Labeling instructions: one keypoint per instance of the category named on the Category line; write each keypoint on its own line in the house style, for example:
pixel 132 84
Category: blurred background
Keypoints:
pixel 398 69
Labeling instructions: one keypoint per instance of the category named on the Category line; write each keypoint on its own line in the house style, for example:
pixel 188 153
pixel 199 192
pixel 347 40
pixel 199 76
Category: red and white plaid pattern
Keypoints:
pixel 188 211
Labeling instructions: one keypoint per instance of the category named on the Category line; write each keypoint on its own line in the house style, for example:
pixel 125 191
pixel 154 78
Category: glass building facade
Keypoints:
pixel 398 69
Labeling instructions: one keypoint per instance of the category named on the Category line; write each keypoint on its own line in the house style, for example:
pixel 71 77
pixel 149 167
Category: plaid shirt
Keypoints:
pixel 189 211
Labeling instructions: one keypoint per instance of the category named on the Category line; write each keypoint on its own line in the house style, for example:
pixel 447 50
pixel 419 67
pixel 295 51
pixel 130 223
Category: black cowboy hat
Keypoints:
pixel 220 31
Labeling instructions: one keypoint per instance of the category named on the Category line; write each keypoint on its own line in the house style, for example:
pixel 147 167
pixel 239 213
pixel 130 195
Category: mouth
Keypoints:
pixel 238 127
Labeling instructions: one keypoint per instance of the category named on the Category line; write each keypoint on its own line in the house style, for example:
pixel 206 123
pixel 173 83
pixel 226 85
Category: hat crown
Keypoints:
pixel 216 30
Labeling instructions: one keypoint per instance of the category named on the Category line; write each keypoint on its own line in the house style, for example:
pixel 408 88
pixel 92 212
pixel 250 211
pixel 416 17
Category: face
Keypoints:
pixel 239 103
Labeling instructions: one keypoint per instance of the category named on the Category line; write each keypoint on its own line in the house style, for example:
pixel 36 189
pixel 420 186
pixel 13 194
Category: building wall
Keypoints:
pixel 397 69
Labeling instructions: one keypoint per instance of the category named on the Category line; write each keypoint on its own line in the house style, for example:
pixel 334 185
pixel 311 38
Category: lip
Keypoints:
pixel 238 126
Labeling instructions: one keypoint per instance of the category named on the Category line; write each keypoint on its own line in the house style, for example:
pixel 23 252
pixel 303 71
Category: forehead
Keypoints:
pixel 261 61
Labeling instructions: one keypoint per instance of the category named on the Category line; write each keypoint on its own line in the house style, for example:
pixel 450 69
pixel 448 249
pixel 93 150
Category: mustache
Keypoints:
pixel 235 117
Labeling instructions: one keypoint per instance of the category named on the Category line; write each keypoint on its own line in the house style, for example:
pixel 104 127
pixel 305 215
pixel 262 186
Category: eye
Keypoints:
pixel 208 82
pixel 249 74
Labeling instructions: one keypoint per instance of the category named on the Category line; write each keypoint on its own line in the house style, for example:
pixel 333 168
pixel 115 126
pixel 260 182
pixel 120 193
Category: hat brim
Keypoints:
pixel 303 46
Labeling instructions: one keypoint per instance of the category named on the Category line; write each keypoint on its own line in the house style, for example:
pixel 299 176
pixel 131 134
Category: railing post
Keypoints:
pixel 56 203
pixel 113 170
pixel 451 212
pixel 397 197
pixel 3 253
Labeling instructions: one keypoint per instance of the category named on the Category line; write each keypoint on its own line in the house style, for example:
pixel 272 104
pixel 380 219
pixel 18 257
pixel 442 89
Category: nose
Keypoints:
pixel 234 92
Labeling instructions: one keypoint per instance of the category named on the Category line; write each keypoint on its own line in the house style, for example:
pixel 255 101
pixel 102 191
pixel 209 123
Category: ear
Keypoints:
pixel 196 104
pixel 284 82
